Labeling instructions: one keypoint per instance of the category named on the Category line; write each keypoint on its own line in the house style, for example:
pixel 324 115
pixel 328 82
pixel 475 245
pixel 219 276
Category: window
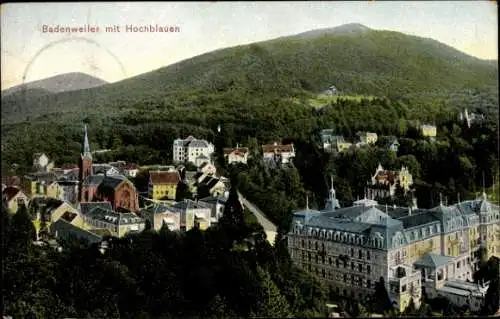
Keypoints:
pixel 360 254
pixel 368 269
pixel 352 252
pixel 345 278
pixel 337 263
pixel 368 255
pixel 302 243
pixel 368 283
pixel 345 264
pixel 352 266
pixel 458 265
pixel 316 245
pixel 360 267
pixel 403 288
pixel 323 273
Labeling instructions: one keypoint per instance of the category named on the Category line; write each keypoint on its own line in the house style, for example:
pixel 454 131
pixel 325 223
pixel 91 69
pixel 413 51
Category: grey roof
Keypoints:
pixel 211 182
pixel 158 208
pixel 342 225
pixel 94 180
pixel 454 291
pixel 419 220
pixel 43 176
pixel 113 217
pixel 112 181
pixel 189 204
pixel 213 200
pixel 327 132
pixel 87 207
pixel 197 143
pixel 349 212
pixel 64 228
pixel 100 168
pixel 69 176
pixel 432 260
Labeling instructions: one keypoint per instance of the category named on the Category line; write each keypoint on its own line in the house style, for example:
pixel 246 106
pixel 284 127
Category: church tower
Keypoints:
pixel 85 166
pixel 332 203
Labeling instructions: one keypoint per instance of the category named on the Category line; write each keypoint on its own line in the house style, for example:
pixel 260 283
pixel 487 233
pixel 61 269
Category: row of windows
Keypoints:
pixel 354 280
pixel 353 253
pixel 345 264
pixel 377 241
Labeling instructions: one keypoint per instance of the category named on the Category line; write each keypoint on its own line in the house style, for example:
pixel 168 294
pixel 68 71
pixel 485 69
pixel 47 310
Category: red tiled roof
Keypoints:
pixel 11 181
pixel 239 150
pixel 69 166
pixel 277 148
pixel 10 192
pixel 165 177
pixel 389 176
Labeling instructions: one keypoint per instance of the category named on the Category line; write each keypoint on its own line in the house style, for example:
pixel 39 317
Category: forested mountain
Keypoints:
pixel 356 59
pixel 59 83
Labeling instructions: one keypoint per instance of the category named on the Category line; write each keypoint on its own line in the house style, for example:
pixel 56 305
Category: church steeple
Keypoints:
pixel 332 203
pixel 86 146
pixel 85 168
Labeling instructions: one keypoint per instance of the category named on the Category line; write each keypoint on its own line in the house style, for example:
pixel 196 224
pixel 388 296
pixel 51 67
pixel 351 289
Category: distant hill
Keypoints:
pixel 356 59
pixel 59 83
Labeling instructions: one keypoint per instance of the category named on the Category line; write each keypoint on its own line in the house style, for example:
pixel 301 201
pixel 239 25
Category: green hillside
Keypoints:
pixel 376 63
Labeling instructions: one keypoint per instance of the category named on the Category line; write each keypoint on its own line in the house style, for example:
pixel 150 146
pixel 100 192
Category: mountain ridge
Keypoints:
pixel 358 60
pixel 65 82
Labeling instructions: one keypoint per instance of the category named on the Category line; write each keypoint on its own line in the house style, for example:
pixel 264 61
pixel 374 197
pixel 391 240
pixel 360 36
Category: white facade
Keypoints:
pixel 191 149
pixel 236 155
pixel 281 154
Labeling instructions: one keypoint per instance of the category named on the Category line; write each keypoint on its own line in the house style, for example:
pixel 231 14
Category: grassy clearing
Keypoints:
pixel 322 100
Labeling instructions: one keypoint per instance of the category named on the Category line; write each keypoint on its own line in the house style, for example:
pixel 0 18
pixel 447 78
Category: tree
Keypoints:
pixel 491 300
pixel 381 297
pixel 270 302
pixel 233 210
pixel 23 230
pixel 183 192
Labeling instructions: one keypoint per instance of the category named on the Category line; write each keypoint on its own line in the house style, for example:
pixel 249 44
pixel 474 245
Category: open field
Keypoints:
pixel 322 100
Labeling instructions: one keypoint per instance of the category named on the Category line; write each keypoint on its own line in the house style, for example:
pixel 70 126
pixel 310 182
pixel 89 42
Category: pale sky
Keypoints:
pixel 470 26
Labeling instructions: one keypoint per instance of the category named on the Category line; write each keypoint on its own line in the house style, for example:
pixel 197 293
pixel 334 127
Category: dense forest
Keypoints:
pixel 453 165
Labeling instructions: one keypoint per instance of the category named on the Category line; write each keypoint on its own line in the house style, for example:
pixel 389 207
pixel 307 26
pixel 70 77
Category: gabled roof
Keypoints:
pixel 112 182
pixel 237 151
pixel 164 177
pixel 213 200
pixel 190 204
pixel 10 192
pixel 94 180
pixel 113 217
pixel 11 181
pixel 42 176
pixel 69 216
pixel 87 207
pixel 197 143
pixel 69 166
pixel 65 227
pixel 212 182
pixel 385 175
pixel 432 260
pixel 158 208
